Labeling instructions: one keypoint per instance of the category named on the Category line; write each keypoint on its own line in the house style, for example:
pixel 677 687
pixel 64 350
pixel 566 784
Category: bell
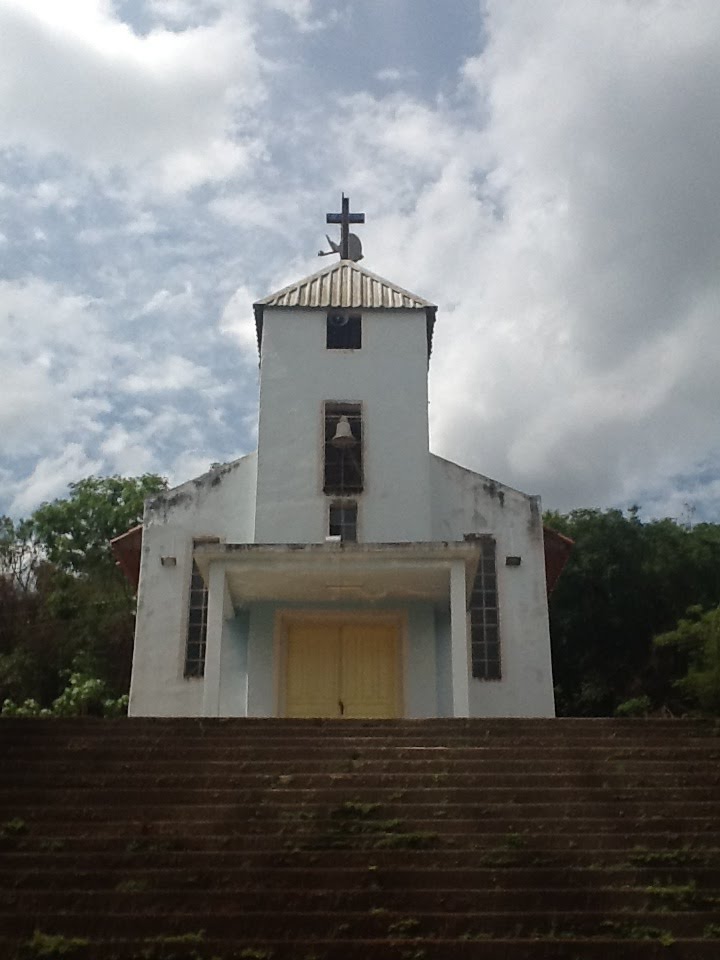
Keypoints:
pixel 343 434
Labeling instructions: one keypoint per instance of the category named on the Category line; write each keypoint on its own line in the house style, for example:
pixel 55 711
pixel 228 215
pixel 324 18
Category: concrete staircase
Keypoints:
pixel 359 840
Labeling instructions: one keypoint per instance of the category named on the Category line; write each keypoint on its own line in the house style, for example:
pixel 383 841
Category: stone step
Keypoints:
pixel 585 781
pixel 537 726
pixel 19 757
pixel 334 791
pixel 470 947
pixel 391 877
pixel 184 901
pixel 251 828
pixel 704 737
pixel 372 733
pixel 377 921
pixel 168 772
pixel 138 854
pixel 465 805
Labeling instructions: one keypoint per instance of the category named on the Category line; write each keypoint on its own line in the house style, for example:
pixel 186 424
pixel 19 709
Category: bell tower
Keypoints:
pixel 343 426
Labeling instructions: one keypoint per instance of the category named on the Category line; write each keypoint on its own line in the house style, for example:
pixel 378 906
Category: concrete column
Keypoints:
pixel 459 640
pixel 213 647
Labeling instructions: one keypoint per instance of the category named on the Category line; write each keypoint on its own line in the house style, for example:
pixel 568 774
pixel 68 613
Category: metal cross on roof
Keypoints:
pixel 345 219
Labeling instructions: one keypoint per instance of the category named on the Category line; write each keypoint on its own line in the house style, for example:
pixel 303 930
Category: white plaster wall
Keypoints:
pixel 420 666
pixel 233 666
pixel 466 502
pixel 220 504
pixel 443 663
pixel 388 375
pixel 262 665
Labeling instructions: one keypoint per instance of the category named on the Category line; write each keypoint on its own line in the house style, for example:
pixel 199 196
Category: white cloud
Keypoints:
pixel 125 453
pixel 189 464
pixel 193 12
pixel 303 13
pixel 142 225
pixel 164 301
pixel 168 373
pixel 51 193
pixel 237 321
pixel 394 75
pixel 252 209
pixel 55 356
pixel 165 103
pixel 51 477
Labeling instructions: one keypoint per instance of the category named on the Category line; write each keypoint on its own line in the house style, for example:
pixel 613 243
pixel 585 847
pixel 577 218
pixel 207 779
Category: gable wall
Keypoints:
pixel 222 504
pixel 466 502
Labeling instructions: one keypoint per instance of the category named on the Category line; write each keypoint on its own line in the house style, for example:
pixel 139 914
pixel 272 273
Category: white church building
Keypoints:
pixel 342 570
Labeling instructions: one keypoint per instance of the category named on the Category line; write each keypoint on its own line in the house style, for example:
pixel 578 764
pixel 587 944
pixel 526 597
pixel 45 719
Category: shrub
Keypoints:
pixel 636 707
pixel 83 696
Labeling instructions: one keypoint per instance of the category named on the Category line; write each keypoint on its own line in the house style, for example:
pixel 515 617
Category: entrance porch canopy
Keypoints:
pixel 339 572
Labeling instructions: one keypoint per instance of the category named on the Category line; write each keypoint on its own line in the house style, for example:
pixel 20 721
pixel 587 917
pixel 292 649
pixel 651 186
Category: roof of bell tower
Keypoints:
pixel 345 286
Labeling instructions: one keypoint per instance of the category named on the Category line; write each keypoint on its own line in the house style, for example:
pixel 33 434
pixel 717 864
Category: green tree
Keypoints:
pixel 625 582
pixel 27 642
pixel 76 531
pixel 697 636
pixel 65 607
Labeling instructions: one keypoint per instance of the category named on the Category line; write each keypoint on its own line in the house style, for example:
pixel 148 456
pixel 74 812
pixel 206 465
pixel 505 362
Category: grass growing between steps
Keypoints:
pixel 44 946
pixel 628 930
pixel 183 946
pixel 358 826
pixel 13 828
pixel 666 897
pixel 684 856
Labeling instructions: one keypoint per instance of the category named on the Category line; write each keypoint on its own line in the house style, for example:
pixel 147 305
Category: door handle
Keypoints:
pixel 342 707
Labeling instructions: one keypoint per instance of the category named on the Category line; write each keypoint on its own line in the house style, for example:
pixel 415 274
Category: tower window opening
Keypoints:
pixel 343 520
pixel 344 331
pixel 343 472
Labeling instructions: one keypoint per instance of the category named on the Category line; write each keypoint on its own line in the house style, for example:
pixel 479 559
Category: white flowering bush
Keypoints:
pixel 83 696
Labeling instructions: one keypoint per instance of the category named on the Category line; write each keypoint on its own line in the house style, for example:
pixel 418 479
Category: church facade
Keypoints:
pixel 342 569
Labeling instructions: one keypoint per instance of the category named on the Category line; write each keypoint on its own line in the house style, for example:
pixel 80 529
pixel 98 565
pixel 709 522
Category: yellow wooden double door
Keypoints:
pixel 342 669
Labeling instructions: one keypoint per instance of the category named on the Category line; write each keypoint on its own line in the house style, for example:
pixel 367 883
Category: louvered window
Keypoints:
pixel 197 626
pixel 484 616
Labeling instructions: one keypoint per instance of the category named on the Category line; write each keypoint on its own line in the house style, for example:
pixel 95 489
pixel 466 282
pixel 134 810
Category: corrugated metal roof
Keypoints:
pixel 345 286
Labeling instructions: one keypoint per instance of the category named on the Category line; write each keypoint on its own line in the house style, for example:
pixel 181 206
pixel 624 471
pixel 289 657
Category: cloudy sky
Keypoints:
pixel 546 172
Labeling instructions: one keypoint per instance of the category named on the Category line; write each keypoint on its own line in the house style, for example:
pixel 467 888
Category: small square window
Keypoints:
pixel 344 331
pixel 343 520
